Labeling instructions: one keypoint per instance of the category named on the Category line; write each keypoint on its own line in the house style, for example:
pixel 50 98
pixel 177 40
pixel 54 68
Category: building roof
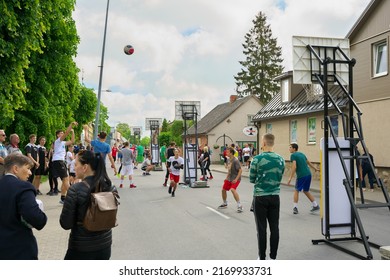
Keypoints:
pixel 299 105
pixel 219 114
pixel 362 19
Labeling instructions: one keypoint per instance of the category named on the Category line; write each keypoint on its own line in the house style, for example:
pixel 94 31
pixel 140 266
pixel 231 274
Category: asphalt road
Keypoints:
pixel 155 226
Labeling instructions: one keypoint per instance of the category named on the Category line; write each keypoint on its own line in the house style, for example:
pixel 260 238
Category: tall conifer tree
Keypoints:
pixel 262 64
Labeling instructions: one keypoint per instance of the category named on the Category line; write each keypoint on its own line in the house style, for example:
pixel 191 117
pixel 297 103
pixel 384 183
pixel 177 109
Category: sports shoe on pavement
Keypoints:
pixel 133 186
pixel 165 184
pixel 173 194
pixel 222 206
pixel 211 177
pixel 170 189
pixel 147 173
pixel 39 192
pixel 239 209
pixel 121 185
pixel 315 208
pixel 295 210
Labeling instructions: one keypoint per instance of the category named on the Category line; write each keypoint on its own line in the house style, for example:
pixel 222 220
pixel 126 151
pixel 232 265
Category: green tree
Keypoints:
pixel 46 93
pixel 21 33
pixel 165 138
pixel 176 128
pixel 104 114
pixel 164 126
pixel 262 64
pixel 86 107
pixel 124 130
pixel 145 141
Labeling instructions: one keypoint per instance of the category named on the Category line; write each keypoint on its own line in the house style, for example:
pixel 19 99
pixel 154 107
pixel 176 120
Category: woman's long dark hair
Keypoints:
pixel 101 181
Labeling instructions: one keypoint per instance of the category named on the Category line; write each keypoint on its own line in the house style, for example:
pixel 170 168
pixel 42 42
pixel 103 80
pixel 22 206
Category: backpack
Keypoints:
pixel 102 211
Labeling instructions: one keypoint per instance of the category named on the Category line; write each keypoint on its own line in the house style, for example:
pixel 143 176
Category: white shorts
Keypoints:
pixel 127 170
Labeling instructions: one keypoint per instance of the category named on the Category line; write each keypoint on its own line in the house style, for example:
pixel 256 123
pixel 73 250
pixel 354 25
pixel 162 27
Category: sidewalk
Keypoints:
pixel 369 197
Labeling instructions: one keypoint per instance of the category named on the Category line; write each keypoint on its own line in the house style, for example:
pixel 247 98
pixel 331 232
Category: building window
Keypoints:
pixel 293 131
pixel 268 128
pixel 250 120
pixel 311 130
pixel 285 87
pixel 380 63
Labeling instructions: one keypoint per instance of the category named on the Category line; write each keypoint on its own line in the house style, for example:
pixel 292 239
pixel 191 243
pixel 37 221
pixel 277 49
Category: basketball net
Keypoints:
pixel 313 91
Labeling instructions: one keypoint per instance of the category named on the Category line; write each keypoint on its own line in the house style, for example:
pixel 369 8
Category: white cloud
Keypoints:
pixel 188 50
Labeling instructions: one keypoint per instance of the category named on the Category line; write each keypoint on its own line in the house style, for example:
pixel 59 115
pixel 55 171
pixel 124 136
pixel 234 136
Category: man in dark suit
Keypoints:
pixel 19 211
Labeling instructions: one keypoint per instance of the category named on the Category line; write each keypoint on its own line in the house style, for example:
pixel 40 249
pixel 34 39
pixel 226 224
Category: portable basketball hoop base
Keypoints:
pixel 322 62
pixel 200 184
pixel 158 168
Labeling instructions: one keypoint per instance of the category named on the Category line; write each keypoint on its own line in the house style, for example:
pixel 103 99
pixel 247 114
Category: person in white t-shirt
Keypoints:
pixel 176 163
pixel 60 168
pixel 247 154
pixel 69 159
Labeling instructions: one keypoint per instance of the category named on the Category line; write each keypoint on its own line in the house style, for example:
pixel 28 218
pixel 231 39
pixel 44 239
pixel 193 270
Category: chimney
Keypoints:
pixel 233 98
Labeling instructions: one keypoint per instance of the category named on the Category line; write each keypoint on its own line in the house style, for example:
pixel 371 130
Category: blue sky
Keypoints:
pixel 188 50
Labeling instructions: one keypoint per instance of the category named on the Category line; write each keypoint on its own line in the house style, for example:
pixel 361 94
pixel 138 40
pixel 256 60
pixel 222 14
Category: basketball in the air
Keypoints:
pixel 129 50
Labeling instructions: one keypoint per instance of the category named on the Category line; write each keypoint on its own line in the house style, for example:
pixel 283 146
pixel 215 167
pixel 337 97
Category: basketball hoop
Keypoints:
pixel 313 91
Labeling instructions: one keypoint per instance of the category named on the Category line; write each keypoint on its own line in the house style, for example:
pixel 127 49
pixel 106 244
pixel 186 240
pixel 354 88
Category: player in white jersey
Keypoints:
pixel 176 163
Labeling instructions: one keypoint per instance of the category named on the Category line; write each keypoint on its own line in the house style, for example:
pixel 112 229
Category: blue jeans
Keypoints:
pixel 267 208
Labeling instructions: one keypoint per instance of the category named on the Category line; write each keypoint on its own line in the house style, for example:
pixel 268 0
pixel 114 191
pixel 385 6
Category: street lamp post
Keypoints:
pixel 97 119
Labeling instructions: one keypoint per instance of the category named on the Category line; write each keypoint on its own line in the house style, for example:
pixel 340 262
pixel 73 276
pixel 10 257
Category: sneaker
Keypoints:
pixel 50 193
pixel 222 206
pixel 143 173
pixel 121 186
pixel 170 189
pixel 239 209
pixel 133 186
pixel 173 194
pixel 211 177
pixel 147 173
pixel 135 167
pixel 165 184
pixel 39 192
pixel 295 210
pixel 315 208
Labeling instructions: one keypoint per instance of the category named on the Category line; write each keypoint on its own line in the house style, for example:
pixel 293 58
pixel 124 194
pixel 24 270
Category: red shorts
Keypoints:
pixel 227 185
pixel 174 178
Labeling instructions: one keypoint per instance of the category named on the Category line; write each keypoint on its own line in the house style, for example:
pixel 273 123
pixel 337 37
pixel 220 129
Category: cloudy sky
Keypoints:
pixel 188 50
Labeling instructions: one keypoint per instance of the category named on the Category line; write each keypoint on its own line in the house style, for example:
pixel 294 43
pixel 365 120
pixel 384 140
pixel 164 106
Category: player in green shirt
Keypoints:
pixel 163 151
pixel 266 172
pixel 300 166
pixel 140 154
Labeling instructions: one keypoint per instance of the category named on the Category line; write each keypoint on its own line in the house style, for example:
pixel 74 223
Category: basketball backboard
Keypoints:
pixel 305 64
pixel 189 108
pixel 153 122
pixel 136 130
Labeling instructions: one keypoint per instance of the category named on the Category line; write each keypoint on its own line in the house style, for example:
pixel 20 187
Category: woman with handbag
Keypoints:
pixel 84 244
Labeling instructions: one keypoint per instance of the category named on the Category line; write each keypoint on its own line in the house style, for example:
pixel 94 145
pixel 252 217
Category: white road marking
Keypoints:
pixel 215 211
pixel 155 201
